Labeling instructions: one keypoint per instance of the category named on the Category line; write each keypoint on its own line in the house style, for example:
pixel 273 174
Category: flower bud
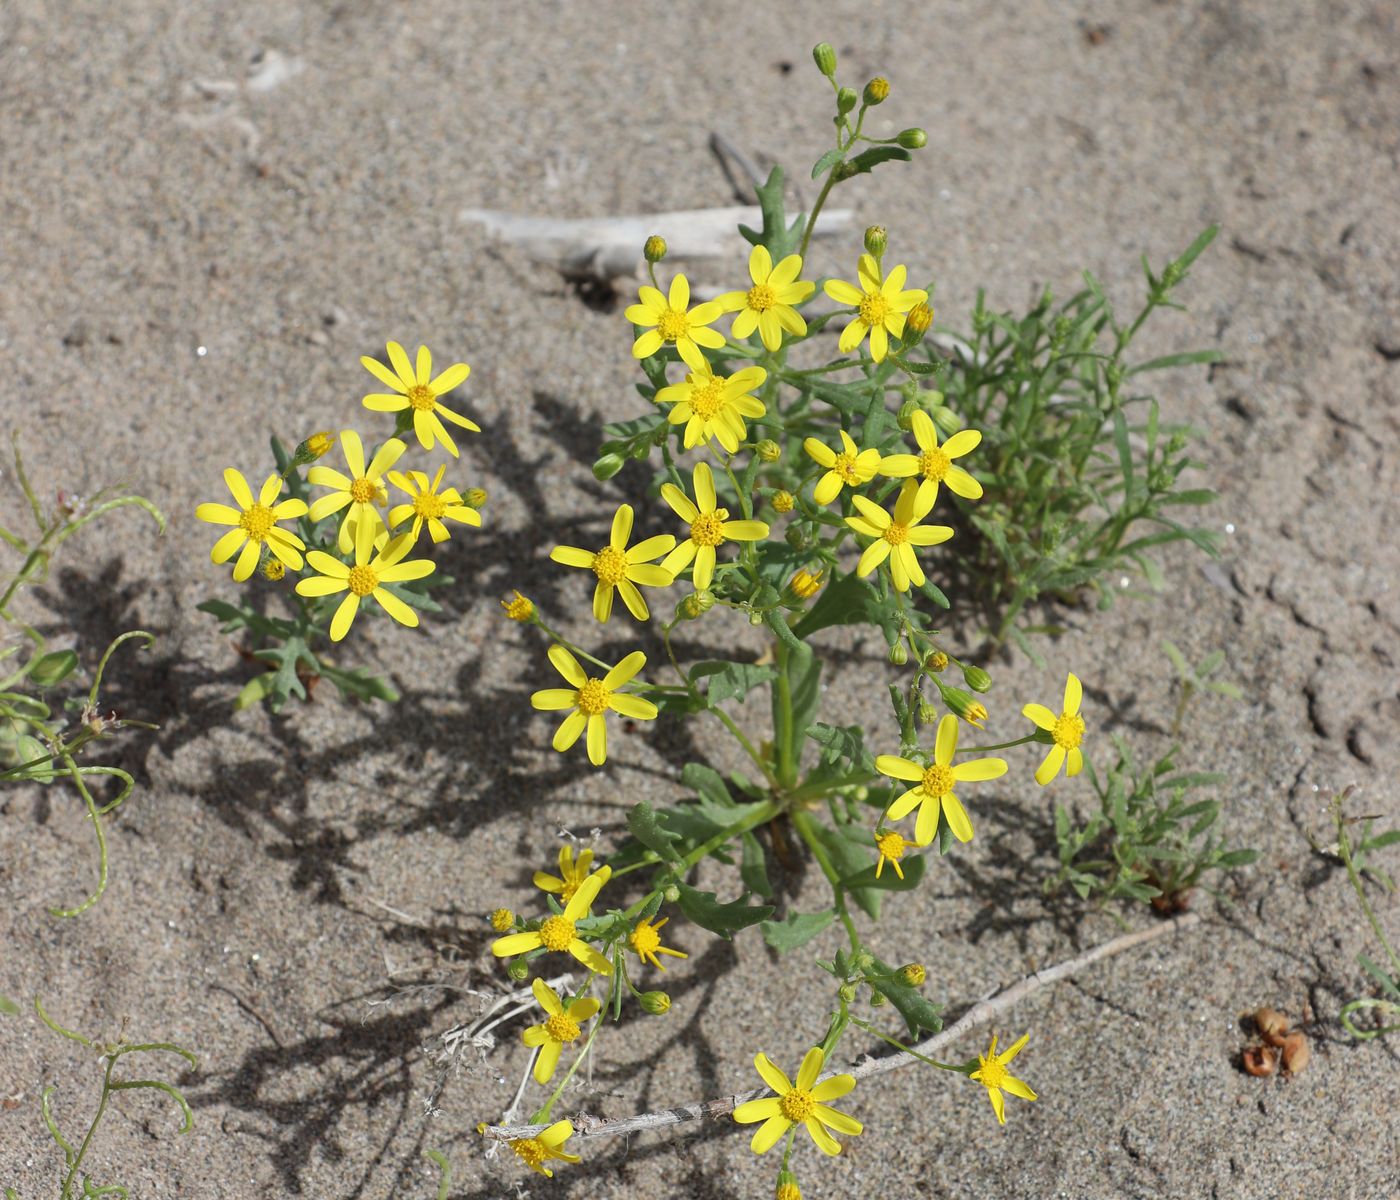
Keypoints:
pixel 907 410
pixel 655 248
pixel 805 584
pixel 671 894
pixel 696 605
pixel 878 999
pixel 656 1003
pixel 796 537
pixel 475 497
pixel 913 974
pixel 769 450
pixel 936 662
pixel 877 90
pixel 756 619
pixel 846 100
pixel 863 961
pixel 963 705
pixel 848 993
pixel 898 655
pixel 519 970
pixel 787 1188
pixel 825 57
pixel 519 608
pixel 783 501
pixel 912 139
pixel 312 449
pixel 606 467
pixel 947 420
pixel 928 712
pixel 876 240
pixel 977 679
pixel 502 919
pixel 273 568
pixel 917 323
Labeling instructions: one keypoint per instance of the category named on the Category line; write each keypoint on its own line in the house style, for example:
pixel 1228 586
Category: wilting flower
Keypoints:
pixel 536 1151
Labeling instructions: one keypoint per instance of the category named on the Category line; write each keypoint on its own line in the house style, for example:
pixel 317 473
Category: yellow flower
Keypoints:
pixel 557 933
pixel 895 537
pixel 994 1076
pixel 714 406
pixel 502 919
pixel 710 527
pixel 935 464
pixel 366 578
pixel 892 847
pixel 880 306
pixel 672 323
pixel 519 608
pixel 852 467
pixel 255 523
pixel 430 505
pixel 802 1103
pixel 767 306
pixel 359 494
pixel 590 699
pixel 571 875
pixel 561 1027
pixel 620 569
pixel 936 782
pixel 415 390
pixel 805 584
pixel 536 1151
pixel 1067 729
pixel 645 939
pixel 273 568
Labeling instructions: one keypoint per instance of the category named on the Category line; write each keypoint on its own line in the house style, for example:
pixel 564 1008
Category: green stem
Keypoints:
pixel 782 692
pixel 816 210
pixel 898 1045
pixel 765 812
pixel 1344 848
pixel 67 1191
pixel 1030 737
pixel 802 822
pixel 542 1115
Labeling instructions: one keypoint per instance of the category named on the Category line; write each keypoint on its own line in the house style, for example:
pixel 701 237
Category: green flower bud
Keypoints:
pixel 787 1188
pixel 928 712
pixel 977 679
pixel 848 993
pixel 656 1003
pixel 607 466
pixel 898 655
pixel 876 91
pixel 825 57
pixel 769 450
pixel 796 537
pixel 312 449
pixel 671 894
pixel 863 962
pixel 913 975
pixel 946 419
pixel 906 413
pixel 877 999
pixel 755 619
pixel 846 100
pixel 963 705
pixel 696 605
pixel 936 662
pixel 475 497
pixel 654 249
pixel 917 323
pixel 912 139
pixel 876 240
pixel 844 170
pixel 519 969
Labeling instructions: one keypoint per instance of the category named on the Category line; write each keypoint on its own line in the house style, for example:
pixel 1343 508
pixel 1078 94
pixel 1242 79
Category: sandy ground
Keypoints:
pixel 208 212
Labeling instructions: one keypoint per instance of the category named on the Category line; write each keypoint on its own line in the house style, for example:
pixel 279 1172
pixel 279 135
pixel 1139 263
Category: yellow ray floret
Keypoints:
pixel 430 504
pixel 536 1151
pixel 620 569
pixel 559 1029
pixel 1067 730
pixel 714 406
pixel 645 939
pixel 366 578
pixel 415 389
pixel 590 699
pixel 671 322
pixel 710 527
pixel 852 467
pixel 934 464
pixel 895 536
pixel 934 790
pixel 360 493
pixel 571 874
pixel 880 306
pixel 255 524
pixel 558 934
pixel 993 1075
pixel 768 305
pixel 800 1103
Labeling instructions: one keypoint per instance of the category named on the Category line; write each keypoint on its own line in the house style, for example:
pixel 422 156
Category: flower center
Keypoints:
pixel 363 580
pixel 845 466
pixel 556 933
pixel 992 1074
pixel 874 308
pixel 421 398
pixel 761 297
pixel 593 697
pixel 708 399
pixel 561 1027
pixel 531 1150
pixel 429 505
pixel 896 534
pixel 938 781
pixel 1068 730
pixel 644 939
pixel 708 528
pixel 891 845
pixel 934 464
pixel 672 325
pixel 363 491
pixel 609 566
pixel 256 521
pixel 797 1105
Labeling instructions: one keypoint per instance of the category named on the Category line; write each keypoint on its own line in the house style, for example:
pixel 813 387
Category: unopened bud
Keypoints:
pixel 917 323
pixel 825 57
pixel 787 1188
pixel 671 894
pixel 913 974
pixel 783 501
pixel 805 584
pixel 796 537
pixel 475 497
pixel 848 993
pixel 912 139
pixel 502 919
pixel 656 1003
pixel 518 970
pixel 877 999
pixel 936 662
pixel 898 655
pixel 519 608
pixel 928 712
pixel 907 410
pixel 863 961
pixel 876 240
pixel 769 450
pixel 946 419
pixel 696 605
pixel 655 248
pixel 877 90
pixel 846 100
pixel 312 449
pixel 963 705
pixel 607 466
pixel 977 679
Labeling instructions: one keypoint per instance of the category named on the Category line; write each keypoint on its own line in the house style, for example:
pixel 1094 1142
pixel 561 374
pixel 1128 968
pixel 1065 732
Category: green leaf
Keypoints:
pixel 705 909
pixel 844 602
pixel 707 783
pixel 918 1012
pixel 797 930
pixel 1186 359
pixel 644 826
pixel 842 742
pixel 9 1007
pixel 776 234
pixel 915 367
pixel 359 683
pixel 889 881
pixel 255 691
pixel 1193 251
pixel 868 160
pixel 850 859
pixel 53 667
pixel 730 680
pixel 826 162
pixel 1237 858
pixel 753 867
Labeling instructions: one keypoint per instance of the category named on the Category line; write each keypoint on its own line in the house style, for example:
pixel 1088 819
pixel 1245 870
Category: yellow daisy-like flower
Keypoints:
pixel 645 939
pixel 255 523
pixel 672 323
pixel 415 389
pixel 714 406
pixel 536 1151
pixel 767 306
pixel 994 1076
pixel 850 468
pixel 366 578
pixel 710 527
pixel 936 783
pixel 560 1028
pixel 590 699
pixel 519 608
pixel 892 847
pixel 620 569
pixel 802 1103
pixel 558 934
pixel 571 874
pixel 429 505
pixel 896 536
pixel 359 494
pixel 935 464
pixel 881 305
pixel 1067 729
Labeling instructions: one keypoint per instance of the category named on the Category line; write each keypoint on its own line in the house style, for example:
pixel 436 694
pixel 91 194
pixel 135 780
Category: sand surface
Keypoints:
pixel 208 212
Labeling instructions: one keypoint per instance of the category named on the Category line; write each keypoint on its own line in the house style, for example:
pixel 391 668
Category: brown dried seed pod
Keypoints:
pixel 1296 1052
pixel 1272 1025
pixel 1260 1060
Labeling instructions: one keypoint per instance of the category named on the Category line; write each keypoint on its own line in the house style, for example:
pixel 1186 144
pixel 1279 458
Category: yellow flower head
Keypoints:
pixel 767 306
pixel 935 464
pixel 993 1075
pixel 672 323
pixel 557 933
pixel 560 1028
pixel 571 875
pixel 710 527
pixel 935 784
pixel 892 847
pixel 273 568
pixel 590 699
pixel 620 569
pixel 645 939
pixel 714 406
pixel 414 389
pixel 805 584
pixel 366 578
pixel 880 304
pixel 359 494
pixel 429 504
pixel 519 608
pixel 896 536
pixel 255 523
pixel 802 1103
pixel 536 1151
pixel 502 919
pixel 1067 729
pixel 850 468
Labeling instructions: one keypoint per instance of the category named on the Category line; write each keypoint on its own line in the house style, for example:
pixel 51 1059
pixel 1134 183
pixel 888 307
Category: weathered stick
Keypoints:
pixel 981 1013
